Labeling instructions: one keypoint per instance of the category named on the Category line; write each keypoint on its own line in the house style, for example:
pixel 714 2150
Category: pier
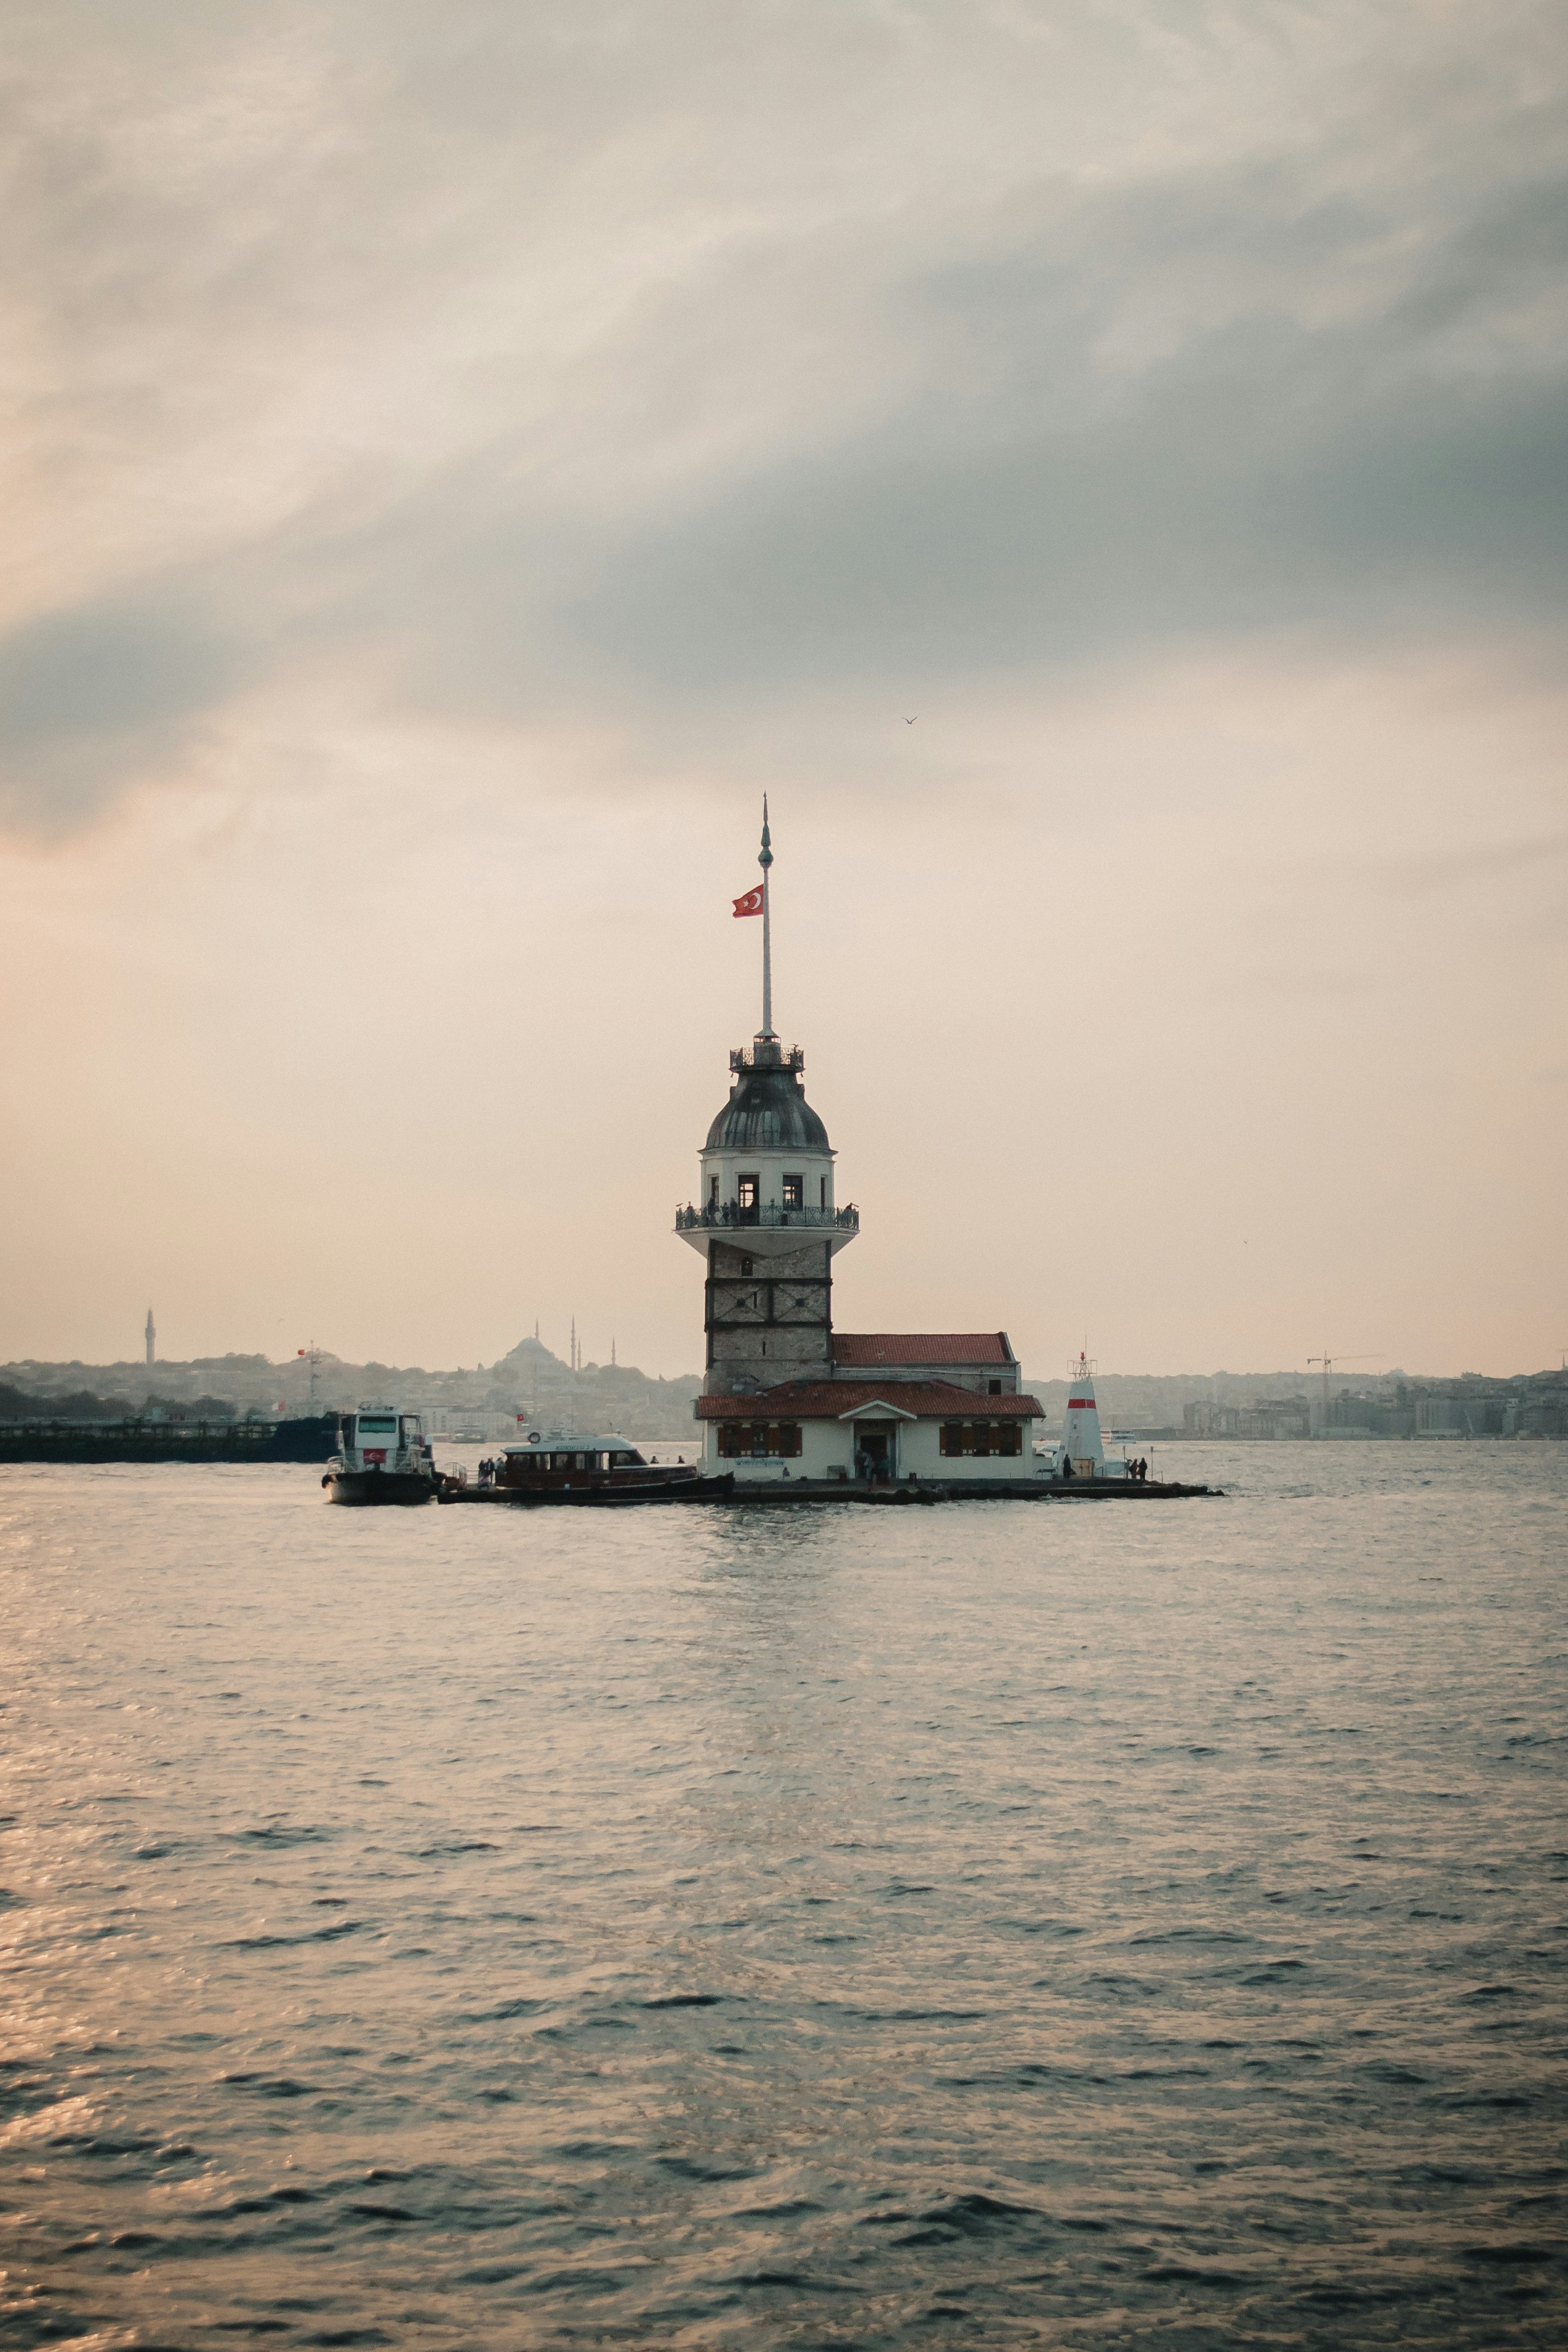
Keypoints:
pixel 771 1494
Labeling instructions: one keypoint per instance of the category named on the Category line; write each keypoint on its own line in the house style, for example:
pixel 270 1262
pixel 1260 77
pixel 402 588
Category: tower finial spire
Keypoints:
pixel 765 859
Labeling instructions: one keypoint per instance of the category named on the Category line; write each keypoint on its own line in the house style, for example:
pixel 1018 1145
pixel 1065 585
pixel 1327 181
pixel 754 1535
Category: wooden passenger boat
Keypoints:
pixel 573 1468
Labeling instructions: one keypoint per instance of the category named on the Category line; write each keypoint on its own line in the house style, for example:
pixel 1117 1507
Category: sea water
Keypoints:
pixel 1136 1923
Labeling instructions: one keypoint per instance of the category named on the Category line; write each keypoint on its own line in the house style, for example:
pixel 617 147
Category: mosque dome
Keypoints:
pixel 768 1110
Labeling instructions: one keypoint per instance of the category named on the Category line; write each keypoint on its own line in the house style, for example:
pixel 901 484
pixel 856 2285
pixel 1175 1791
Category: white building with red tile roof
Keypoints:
pixel 866 1428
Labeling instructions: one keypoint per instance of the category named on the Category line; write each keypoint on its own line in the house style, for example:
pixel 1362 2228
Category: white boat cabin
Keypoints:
pixel 382 1437
pixel 554 1451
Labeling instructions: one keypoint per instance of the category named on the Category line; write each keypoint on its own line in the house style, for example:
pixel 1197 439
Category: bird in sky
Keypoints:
pixel 909 722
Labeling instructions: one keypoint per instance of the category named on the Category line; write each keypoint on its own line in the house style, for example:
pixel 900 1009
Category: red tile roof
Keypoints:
pixel 858 1348
pixel 831 1400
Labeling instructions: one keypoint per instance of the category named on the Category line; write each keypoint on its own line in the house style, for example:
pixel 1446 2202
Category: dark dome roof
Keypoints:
pixel 768 1110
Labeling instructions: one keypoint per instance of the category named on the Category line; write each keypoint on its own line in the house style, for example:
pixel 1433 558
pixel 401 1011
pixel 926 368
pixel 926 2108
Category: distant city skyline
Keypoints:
pixel 1220 1383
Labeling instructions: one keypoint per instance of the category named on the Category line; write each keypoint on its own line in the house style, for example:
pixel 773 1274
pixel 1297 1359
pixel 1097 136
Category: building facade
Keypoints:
pixel 768 1227
pixel 871 1431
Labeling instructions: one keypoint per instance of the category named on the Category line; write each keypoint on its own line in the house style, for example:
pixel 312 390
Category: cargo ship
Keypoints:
pixel 168 1437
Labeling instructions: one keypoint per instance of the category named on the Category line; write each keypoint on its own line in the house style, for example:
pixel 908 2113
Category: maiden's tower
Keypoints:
pixel 784 1395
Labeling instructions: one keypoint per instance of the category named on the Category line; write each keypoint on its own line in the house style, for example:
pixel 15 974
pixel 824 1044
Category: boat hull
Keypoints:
pixel 359 1488
pixel 614 1491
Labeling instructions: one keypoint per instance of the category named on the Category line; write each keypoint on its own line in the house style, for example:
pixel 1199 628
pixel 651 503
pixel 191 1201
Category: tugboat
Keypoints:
pixel 383 1456
pixel 558 1468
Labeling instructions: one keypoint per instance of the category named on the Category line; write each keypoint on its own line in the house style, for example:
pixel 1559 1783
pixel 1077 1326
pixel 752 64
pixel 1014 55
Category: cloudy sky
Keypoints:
pixel 458 458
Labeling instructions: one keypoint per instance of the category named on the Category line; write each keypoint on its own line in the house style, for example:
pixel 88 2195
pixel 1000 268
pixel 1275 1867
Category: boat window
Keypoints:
pixel 377 1425
pixel 794 1191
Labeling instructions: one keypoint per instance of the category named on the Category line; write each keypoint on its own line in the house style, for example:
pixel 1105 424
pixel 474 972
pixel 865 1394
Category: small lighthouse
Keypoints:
pixel 1081 1438
pixel 765 1220
pixel 151 1337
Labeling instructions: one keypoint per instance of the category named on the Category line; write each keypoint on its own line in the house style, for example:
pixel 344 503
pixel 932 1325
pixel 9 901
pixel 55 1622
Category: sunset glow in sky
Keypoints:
pixel 458 459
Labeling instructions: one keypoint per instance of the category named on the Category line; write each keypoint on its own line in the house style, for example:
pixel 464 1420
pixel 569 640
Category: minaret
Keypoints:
pixel 151 1337
pixel 765 1220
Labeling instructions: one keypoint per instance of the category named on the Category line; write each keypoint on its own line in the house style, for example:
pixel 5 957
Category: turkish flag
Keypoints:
pixel 751 904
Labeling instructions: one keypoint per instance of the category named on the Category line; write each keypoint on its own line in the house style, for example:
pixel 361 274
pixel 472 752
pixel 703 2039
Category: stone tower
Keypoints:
pixel 765 1219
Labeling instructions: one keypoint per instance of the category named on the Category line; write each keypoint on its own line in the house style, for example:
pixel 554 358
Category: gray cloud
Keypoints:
pixel 551 367
pixel 1027 503
pixel 1031 506
pixel 93 696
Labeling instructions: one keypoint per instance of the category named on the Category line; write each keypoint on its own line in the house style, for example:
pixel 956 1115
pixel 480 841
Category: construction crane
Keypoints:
pixel 1328 1363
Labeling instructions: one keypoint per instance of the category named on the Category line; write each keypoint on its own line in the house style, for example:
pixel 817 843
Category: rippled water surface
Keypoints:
pixel 1086 1925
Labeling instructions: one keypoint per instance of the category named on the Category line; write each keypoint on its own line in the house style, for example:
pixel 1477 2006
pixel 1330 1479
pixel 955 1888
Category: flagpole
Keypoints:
pixel 765 860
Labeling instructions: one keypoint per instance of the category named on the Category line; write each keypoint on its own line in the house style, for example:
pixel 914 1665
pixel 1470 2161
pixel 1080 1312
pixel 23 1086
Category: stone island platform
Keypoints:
pixel 964 1490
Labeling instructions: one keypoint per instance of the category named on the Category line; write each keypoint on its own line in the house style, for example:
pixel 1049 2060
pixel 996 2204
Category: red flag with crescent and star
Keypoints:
pixel 751 904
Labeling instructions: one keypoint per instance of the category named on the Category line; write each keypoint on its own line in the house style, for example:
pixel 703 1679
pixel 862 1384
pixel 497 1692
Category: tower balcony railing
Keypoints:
pixel 725 1216
pixel 767 1053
